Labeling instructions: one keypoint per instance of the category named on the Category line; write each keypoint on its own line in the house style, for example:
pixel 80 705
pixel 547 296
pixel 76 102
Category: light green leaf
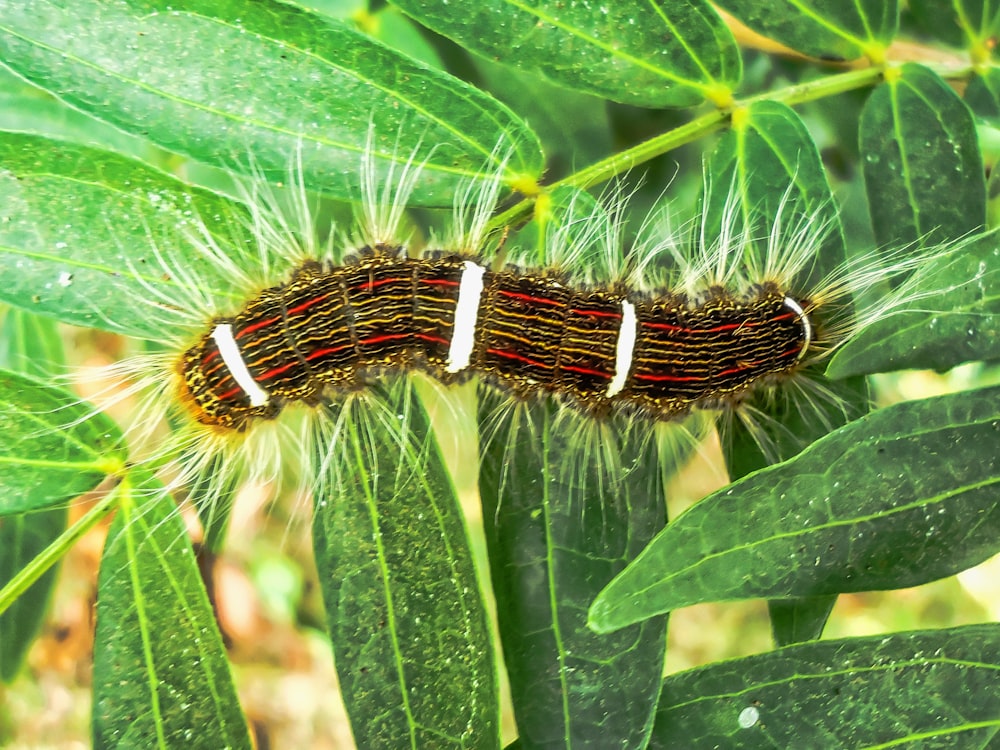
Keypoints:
pixel 827 30
pixel 884 502
pixel 31 345
pixel 932 689
pixel 97 239
pixel 161 679
pixel 918 144
pixel 651 53
pixel 221 81
pixel 404 609
pixel 53 447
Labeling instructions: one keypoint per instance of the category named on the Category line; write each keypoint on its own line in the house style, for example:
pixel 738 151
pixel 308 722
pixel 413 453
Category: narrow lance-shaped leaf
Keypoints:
pixel 769 162
pixel 922 689
pixel 829 31
pixel 565 509
pixel 268 79
pixel 884 502
pixel 982 95
pixel 946 315
pixel 918 144
pixel 404 610
pixel 28 344
pixel 660 53
pixel 53 447
pixel 161 679
pixel 97 239
pixel 769 166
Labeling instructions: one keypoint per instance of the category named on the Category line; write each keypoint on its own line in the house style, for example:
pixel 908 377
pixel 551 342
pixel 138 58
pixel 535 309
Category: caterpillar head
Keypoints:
pixel 215 386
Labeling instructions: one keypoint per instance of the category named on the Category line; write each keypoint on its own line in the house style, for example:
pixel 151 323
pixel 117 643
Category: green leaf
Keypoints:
pixel 97 239
pixel 404 609
pixel 962 23
pixel 769 165
pixel 983 95
pixel 827 30
pixel 801 619
pixel 53 447
pixel 28 344
pixel 566 505
pixel 161 678
pixel 931 689
pixel 219 81
pixel 25 108
pixel 903 496
pixel 658 53
pixel 22 537
pixel 950 315
pixel 921 162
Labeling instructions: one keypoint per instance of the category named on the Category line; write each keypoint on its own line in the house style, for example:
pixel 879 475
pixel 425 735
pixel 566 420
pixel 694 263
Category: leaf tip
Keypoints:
pixel 601 615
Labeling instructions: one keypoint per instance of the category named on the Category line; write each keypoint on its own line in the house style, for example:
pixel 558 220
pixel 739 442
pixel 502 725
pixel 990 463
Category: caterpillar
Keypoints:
pixel 652 346
pixel 527 334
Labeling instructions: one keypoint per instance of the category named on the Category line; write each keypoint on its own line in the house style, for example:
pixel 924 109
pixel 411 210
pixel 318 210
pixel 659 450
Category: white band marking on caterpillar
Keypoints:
pixel 463 336
pixel 624 349
pixel 230 352
pixel 807 329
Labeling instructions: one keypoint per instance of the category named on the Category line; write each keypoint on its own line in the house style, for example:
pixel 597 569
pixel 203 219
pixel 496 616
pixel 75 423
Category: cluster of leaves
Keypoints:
pixel 901 497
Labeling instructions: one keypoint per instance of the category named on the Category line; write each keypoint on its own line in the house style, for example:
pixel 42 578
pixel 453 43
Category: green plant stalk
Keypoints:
pixel 55 551
pixel 704 125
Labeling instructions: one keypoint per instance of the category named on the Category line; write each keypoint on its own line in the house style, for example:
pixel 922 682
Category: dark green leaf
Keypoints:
pixel 22 537
pixel 219 81
pixel 404 610
pixel 566 506
pixel 53 447
pixel 161 679
pixel 827 30
pixel 962 23
pixel 906 495
pixel 983 95
pixel 933 689
pixel 28 344
pixel 797 620
pixel 920 156
pixel 769 164
pixel 659 53
pixel 950 315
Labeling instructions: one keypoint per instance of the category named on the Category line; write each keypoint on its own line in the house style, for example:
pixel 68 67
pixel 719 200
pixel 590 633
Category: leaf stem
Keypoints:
pixel 55 551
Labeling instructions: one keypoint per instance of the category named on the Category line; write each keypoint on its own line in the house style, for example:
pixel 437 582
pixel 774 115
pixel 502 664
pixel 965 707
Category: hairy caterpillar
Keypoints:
pixel 524 333
pixel 655 345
